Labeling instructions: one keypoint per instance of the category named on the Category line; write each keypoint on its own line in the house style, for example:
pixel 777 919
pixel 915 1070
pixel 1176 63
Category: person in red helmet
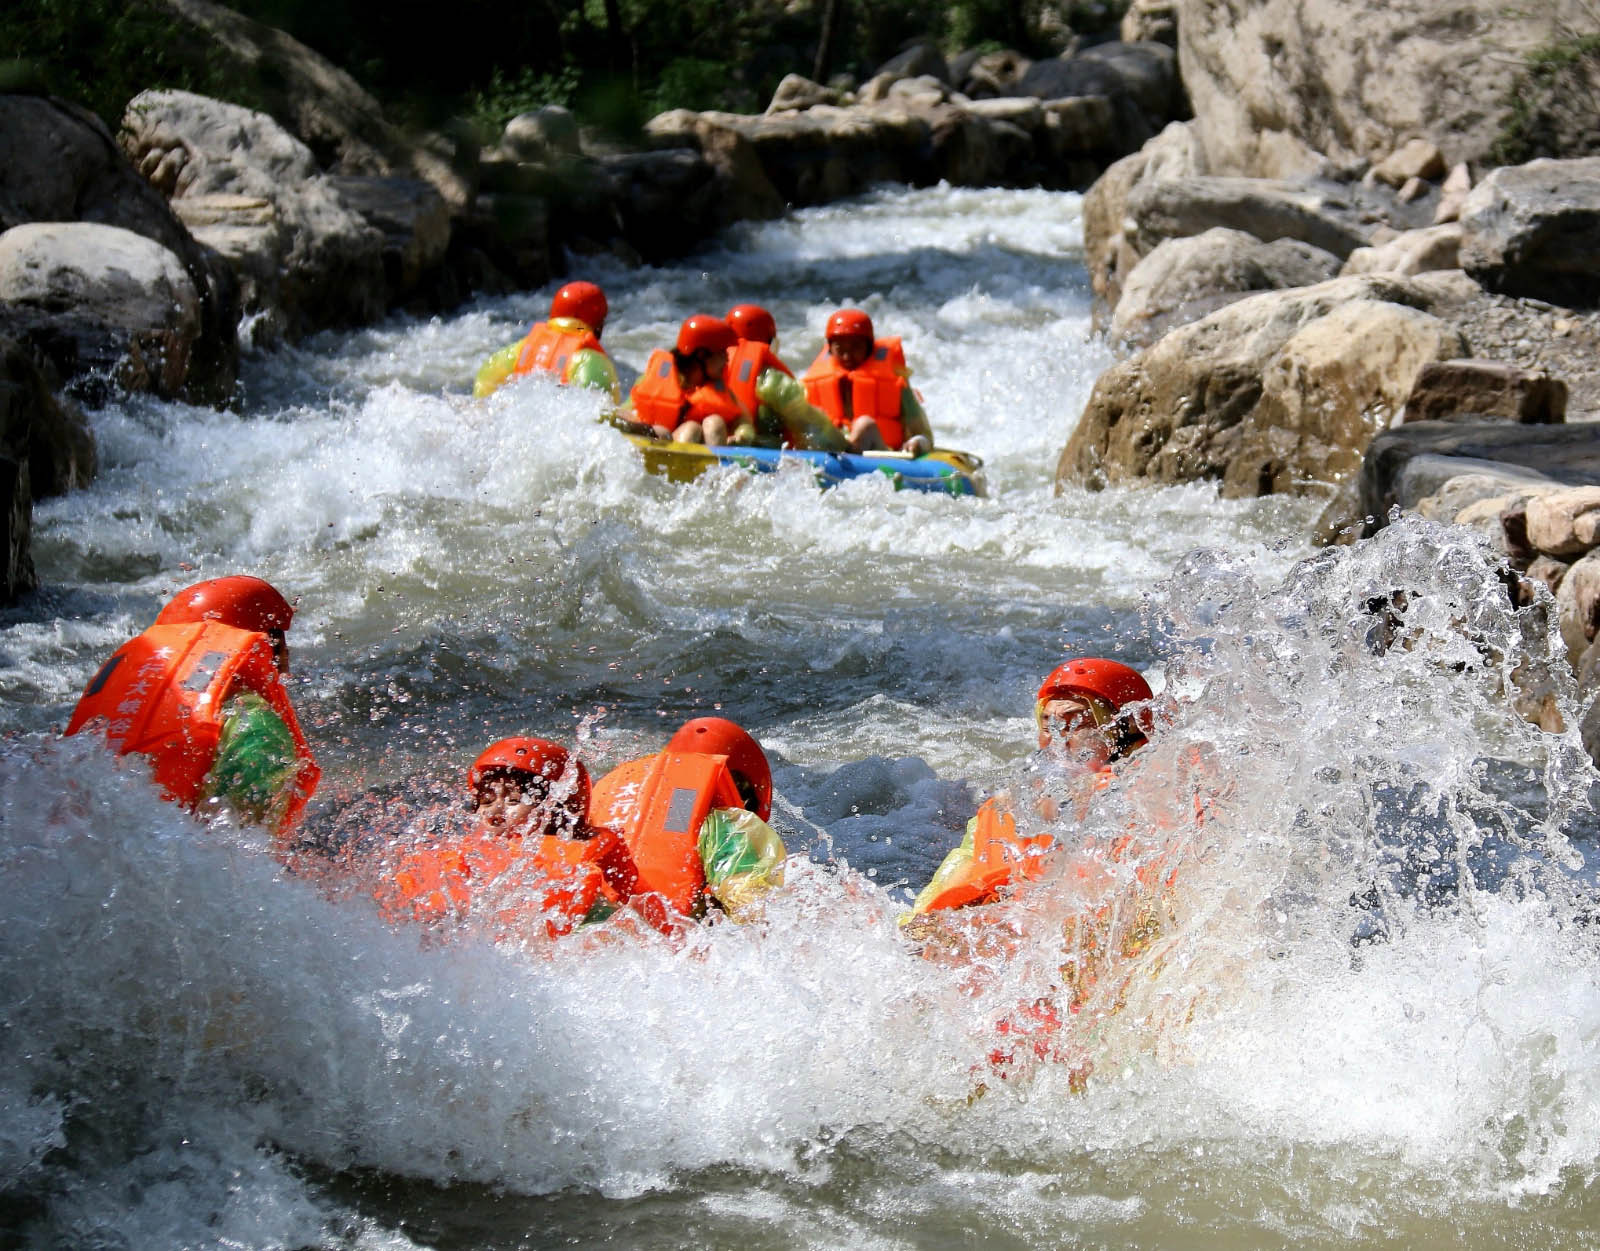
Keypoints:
pixel 862 383
pixel 201 694
pixel 694 818
pixel 1093 712
pixel 768 388
pixel 683 394
pixel 566 345
pixel 531 864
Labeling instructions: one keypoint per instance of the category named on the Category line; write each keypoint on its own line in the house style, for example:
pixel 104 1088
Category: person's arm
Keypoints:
pixel 256 767
pixel 742 856
pixel 955 865
pixel 913 420
pixel 594 370
pixel 806 425
pixel 493 373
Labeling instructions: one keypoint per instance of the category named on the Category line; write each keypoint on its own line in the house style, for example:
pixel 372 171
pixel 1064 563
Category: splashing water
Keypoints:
pixel 1342 985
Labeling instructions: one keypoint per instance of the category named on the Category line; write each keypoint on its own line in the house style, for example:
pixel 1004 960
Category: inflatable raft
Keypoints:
pixel 942 470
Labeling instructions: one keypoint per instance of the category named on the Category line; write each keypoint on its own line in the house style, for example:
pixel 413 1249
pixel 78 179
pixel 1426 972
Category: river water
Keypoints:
pixel 1370 1017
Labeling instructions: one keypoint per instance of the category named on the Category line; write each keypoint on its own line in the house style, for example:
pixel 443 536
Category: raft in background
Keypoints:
pixel 941 470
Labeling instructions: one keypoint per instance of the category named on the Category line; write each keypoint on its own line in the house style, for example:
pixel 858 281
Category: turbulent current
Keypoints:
pixel 1357 1007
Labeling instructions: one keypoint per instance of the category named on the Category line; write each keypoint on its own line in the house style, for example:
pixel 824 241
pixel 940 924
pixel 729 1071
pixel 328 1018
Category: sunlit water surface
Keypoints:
pixel 1369 1014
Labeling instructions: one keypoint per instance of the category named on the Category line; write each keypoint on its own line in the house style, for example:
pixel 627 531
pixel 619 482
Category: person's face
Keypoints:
pixel 1067 727
pixel 280 649
pixel 850 350
pixel 715 364
pixel 511 807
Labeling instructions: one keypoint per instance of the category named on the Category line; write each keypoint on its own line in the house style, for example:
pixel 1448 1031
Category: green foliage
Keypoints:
pixel 1553 107
pixel 102 53
pixel 690 82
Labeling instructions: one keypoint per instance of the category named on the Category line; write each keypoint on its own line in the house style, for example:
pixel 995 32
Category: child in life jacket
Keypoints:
pixel 566 346
pixel 683 393
pixel 769 389
pixel 1093 712
pixel 862 383
pixel 201 694
pixel 531 863
pixel 694 817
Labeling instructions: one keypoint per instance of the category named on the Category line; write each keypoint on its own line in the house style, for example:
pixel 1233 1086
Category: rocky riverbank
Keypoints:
pixel 1290 271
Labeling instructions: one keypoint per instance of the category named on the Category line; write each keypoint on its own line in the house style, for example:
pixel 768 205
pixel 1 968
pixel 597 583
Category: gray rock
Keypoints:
pixel 1266 208
pixel 1534 230
pixel 921 58
pixel 992 74
pixel 125 300
pixel 1151 21
pixel 1417 158
pixel 1149 73
pixel 323 106
pixel 59 163
pixel 542 135
pixel 1410 252
pixel 305 259
pixel 797 93
pixel 1278 392
pixel 1578 606
pixel 1567 455
pixel 1186 278
pixel 1281 86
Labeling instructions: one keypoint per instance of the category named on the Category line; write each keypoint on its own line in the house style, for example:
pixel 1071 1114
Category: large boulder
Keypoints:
pixel 1534 230
pixel 1149 74
pixel 1281 87
pixel 1109 250
pixel 1320 215
pixel 1554 454
pixel 320 104
pixel 59 163
pixel 248 188
pixel 1183 279
pixel 1279 392
pixel 921 58
pixel 132 312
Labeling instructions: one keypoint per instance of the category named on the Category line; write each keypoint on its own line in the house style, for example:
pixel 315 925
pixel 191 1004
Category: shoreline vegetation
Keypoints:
pixel 1342 251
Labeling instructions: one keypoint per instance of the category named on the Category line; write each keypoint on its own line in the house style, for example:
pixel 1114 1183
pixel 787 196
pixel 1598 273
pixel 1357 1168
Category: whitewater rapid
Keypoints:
pixel 1370 1015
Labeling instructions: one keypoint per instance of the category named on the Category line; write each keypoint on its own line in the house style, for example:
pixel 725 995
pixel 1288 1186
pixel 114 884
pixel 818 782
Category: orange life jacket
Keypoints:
pixel 747 361
pixel 161 694
pixel 876 388
pixel 657 805
pixel 999 857
pixel 548 880
pixel 659 399
pixel 550 349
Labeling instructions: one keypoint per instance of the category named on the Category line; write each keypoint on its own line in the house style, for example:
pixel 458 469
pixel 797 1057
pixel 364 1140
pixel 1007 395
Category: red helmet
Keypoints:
pixel 1110 680
pixel 704 333
pixel 715 736
pixel 849 323
pixel 539 757
pixel 751 321
pixel 582 300
pixel 240 601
